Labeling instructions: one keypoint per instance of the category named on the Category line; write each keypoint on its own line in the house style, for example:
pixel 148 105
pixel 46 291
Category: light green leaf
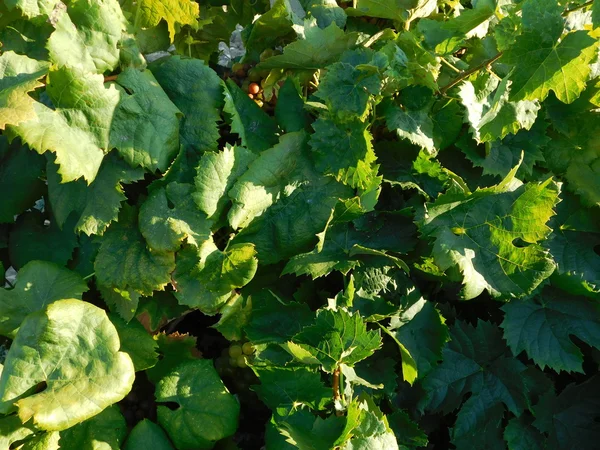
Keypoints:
pixel 235 314
pixel 197 91
pixel 414 125
pixel 553 62
pixel 207 276
pixel 480 233
pixel 489 112
pixel 182 12
pixel 346 89
pixel 266 179
pixel 123 243
pixel 291 387
pixel 421 329
pixel 338 337
pixel 207 411
pixel 45 441
pixel 12 429
pixel 256 129
pixel 73 349
pixel 96 205
pixel 188 281
pixel 344 150
pixel 146 434
pixel 217 173
pixel 542 327
pixel 39 283
pixel 317 49
pixel 145 127
pixel 32 8
pixel 87 35
pixel 169 216
pixel 447 36
pixel 18 76
pixel 229 269
pixel 77 129
pixel 266 31
pixel 106 431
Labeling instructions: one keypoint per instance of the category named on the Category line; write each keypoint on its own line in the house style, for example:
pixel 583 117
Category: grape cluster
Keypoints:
pixel 252 81
pixel 236 356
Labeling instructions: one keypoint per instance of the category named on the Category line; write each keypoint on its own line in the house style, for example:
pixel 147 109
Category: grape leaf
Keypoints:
pixel 235 314
pixel 346 89
pixel 97 205
pixel 475 361
pixel 500 156
pixel 576 235
pixel 217 173
pixel 414 125
pixel 570 418
pixel 289 110
pixel 542 327
pixel 196 90
pixel 65 337
pixel 145 127
pixel 318 48
pixel 122 243
pixel 18 76
pixel 338 338
pixel 274 321
pixel 86 35
pixel 146 434
pixel 207 411
pixel 173 349
pixel 32 9
pixel 521 435
pixel 256 129
pixel 136 342
pixel 106 431
pixel 421 329
pixel 489 112
pixel 183 12
pixel 266 179
pixel 476 233
pixel 341 147
pixel 12 429
pixel 169 216
pixel 20 174
pixel 343 247
pixel 544 61
pixel 33 239
pixel 291 387
pixel 77 129
pixel 39 283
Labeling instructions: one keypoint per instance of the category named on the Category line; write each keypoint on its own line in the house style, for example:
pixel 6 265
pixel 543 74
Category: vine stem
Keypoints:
pixel 576 8
pixel 336 383
pixel 110 78
pixel 468 73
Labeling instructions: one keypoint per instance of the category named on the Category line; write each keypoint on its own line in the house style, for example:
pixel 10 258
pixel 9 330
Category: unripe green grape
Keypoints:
pixel 248 348
pixel 233 362
pixel 241 361
pixel 235 351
